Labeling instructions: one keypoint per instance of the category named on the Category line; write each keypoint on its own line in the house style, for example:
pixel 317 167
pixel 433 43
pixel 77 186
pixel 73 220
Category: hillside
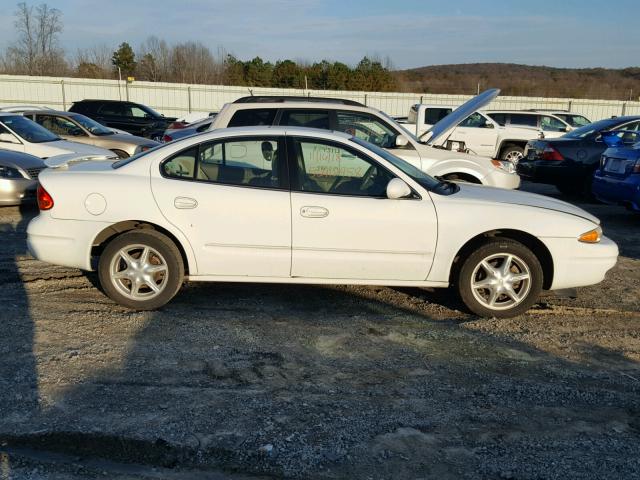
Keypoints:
pixel 514 79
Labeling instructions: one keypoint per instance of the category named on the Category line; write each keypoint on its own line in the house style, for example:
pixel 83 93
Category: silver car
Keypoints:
pixel 18 177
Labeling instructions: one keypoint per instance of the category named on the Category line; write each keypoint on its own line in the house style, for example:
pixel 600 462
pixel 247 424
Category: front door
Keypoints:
pixel 230 199
pixel 478 133
pixel 344 226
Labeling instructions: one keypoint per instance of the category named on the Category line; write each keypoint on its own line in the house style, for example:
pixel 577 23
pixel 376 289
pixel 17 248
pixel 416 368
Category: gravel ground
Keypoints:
pixel 260 381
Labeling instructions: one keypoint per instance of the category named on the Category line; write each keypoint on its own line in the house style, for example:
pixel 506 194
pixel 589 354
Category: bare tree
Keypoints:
pixel 155 60
pixel 94 62
pixel 36 51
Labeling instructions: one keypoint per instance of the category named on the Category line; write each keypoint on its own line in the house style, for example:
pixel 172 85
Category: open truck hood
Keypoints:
pixel 452 120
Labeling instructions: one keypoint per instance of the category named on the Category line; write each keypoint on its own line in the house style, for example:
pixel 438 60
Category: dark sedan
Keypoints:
pixel 131 117
pixel 568 162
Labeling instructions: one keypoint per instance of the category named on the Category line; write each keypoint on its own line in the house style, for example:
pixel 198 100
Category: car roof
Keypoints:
pixel 51 112
pixel 270 130
pixel 301 105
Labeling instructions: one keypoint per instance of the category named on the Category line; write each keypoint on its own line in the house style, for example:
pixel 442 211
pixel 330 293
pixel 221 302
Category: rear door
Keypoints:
pixel 230 198
pixel 344 226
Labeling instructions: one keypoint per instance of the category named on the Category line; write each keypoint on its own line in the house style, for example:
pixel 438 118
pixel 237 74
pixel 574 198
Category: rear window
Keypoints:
pixel 253 117
pixel 434 115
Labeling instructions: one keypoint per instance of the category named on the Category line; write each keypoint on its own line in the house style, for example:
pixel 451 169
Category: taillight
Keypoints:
pixel 166 138
pixel 45 201
pixel 176 125
pixel 550 153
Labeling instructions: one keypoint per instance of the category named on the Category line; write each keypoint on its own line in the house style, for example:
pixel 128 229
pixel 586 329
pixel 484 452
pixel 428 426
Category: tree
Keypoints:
pixel 124 59
pixel 233 71
pixel 94 62
pixel 36 50
pixel 287 74
pixel 257 73
pixel 155 63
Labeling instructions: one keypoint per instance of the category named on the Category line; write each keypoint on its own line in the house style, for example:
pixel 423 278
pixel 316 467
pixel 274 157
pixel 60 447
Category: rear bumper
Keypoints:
pixel 17 191
pixel 579 264
pixel 543 171
pixel 618 191
pixel 63 242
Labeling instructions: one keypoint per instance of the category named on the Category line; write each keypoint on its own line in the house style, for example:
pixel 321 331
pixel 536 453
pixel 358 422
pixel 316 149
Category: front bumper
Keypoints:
pixel 16 191
pixel 579 264
pixel 501 179
pixel 623 191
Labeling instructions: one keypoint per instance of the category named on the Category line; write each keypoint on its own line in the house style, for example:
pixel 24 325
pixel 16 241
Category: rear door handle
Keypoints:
pixel 314 212
pixel 185 202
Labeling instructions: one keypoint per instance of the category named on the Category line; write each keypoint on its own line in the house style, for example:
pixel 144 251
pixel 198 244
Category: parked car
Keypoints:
pixel 617 179
pixel 131 117
pixel 375 127
pixel 299 205
pixel 20 134
pixel 81 129
pixel 569 162
pixel 189 119
pixel 22 108
pixel 18 177
pixel 574 120
pixel 200 126
pixel 499 134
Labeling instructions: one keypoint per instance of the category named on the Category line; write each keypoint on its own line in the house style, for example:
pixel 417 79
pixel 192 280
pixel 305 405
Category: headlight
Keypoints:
pixel 505 165
pixel 592 236
pixel 9 172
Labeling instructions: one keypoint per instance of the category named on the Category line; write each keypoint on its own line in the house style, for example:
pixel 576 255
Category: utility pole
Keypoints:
pixel 119 83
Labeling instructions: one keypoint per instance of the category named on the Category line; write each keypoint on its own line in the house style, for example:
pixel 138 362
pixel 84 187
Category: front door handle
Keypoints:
pixel 185 202
pixel 314 212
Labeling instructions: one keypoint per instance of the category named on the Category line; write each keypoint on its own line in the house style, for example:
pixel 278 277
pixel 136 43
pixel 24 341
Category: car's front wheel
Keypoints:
pixel 141 269
pixel 501 278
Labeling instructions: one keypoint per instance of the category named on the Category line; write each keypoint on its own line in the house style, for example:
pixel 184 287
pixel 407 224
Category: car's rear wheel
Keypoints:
pixel 501 278
pixel 120 153
pixel 142 270
pixel 513 154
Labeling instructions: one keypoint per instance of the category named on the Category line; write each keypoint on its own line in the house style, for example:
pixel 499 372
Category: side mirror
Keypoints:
pixel 8 138
pixel 401 141
pixel 397 188
pixel 489 125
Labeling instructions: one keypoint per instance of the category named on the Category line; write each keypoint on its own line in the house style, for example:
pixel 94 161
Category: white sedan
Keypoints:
pixel 294 205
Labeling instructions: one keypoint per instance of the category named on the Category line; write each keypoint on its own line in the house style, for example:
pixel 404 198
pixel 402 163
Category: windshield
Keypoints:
pixel 427 181
pixel 592 129
pixel 149 110
pixel 93 126
pixel 574 120
pixel 28 130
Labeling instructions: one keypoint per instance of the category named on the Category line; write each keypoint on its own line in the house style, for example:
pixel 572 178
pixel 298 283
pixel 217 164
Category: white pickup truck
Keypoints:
pixel 482 134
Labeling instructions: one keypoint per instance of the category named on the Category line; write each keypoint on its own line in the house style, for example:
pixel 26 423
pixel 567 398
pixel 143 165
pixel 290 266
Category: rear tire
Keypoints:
pixel 502 278
pixel 141 269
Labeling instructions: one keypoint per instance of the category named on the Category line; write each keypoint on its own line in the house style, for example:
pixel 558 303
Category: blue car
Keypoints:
pixel 617 179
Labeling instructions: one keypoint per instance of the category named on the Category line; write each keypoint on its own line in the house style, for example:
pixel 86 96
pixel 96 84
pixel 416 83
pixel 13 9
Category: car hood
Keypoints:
pixel 452 120
pixel 126 138
pixel 65 146
pixel 477 193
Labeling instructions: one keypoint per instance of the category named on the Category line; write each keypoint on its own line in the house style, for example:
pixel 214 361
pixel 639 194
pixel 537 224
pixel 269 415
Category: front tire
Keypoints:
pixel 141 269
pixel 502 278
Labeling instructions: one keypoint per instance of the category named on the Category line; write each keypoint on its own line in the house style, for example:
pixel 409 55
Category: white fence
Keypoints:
pixel 175 99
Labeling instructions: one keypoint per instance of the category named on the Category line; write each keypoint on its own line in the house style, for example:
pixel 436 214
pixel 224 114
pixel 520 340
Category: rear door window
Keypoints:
pixel 499 118
pixel 550 124
pixel 524 120
pixel 306 118
pixel 253 117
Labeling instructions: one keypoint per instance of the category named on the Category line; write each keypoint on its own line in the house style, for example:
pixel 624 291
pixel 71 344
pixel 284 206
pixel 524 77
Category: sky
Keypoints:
pixel 411 33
